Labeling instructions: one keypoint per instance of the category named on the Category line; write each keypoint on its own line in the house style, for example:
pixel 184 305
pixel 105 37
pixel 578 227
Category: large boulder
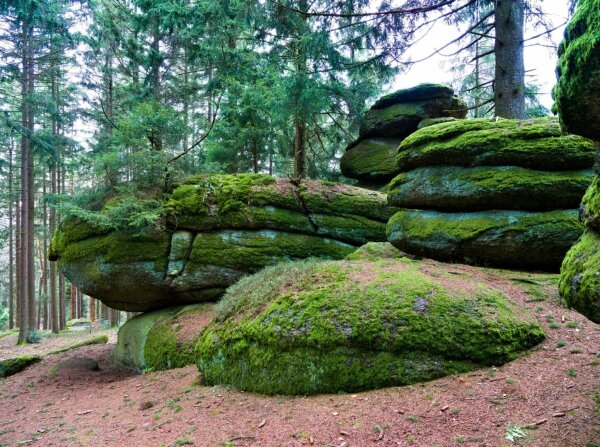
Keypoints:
pixel 491 192
pixel 576 95
pixel 534 144
pixel 578 87
pixel 454 188
pixel 519 239
pixel 580 276
pixel 370 159
pixel 321 327
pixel 215 230
pixel 163 339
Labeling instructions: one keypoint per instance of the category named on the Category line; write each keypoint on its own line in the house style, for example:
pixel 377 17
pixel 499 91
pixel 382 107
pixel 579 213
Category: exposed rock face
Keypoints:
pixel 163 339
pixel 392 118
pixel 578 72
pixel 576 95
pixel 492 192
pixel 322 327
pixel 218 228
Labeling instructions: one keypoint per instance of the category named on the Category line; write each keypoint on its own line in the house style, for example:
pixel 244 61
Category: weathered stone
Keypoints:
pixel 9 367
pixel 578 88
pixel 218 228
pixel 534 144
pixel 580 276
pixel 371 160
pixel 534 240
pixel 325 327
pixel 163 339
pixel 421 92
pixel 451 188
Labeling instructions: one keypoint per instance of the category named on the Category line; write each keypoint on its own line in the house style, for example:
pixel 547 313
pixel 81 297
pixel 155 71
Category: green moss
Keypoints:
pixel 451 188
pixel 533 144
pixel 97 340
pixel 590 206
pixel 171 342
pixel 314 327
pixel 495 238
pixel 433 121
pixel 580 276
pixel 8 367
pixel 578 72
pixel 373 251
pixel 371 160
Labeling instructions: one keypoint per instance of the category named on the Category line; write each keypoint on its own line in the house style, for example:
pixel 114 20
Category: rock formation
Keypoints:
pixel 491 192
pixel 330 326
pixel 371 158
pixel 577 96
pixel 217 229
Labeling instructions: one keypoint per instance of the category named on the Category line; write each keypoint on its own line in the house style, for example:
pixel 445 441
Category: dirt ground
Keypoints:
pixel 544 399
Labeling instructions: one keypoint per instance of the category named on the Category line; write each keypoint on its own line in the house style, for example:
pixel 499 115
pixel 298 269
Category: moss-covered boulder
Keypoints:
pixel 454 188
pixel 9 367
pixel 531 240
pixel 580 276
pixel 578 88
pixel 163 339
pixel 215 230
pixel 324 327
pixel 371 158
pixel 399 114
pixel 589 211
pixel 534 144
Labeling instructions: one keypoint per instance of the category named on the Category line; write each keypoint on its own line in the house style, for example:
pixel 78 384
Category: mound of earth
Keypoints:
pixel 576 95
pixel 371 158
pixel 501 193
pixel 329 326
pixel 217 228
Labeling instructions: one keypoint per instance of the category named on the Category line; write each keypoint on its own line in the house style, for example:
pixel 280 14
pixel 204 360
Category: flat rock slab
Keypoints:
pixel 534 144
pixel 533 240
pixel 218 228
pixel 453 188
pixel 325 327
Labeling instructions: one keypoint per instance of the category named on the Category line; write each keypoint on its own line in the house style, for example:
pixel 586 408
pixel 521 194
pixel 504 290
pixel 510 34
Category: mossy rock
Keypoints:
pixel 578 88
pixel 516 239
pixel 533 144
pixel 421 92
pixel 589 212
pixel 401 119
pixel 325 327
pixel 373 251
pixel 163 339
pixel 9 367
pixel 371 160
pixel 433 121
pixel 580 276
pixel 216 229
pixel 451 188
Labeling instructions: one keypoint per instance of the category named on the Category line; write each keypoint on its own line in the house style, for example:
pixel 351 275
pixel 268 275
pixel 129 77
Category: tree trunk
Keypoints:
pixel 11 254
pixel 92 308
pixel 300 113
pixel 18 263
pixel 509 85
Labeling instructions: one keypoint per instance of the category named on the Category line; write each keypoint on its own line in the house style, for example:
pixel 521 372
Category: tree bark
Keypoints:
pixel 509 85
pixel 300 113
pixel 11 254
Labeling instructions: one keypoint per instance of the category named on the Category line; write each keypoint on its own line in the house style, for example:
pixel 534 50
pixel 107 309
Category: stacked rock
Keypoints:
pixel 217 229
pixel 371 158
pixel 491 192
pixel 576 95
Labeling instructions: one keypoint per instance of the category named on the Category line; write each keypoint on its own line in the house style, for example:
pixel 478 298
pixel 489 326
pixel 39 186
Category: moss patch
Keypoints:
pixel 589 212
pixel 371 160
pixel 8 367
pixel 578 72
pixel 494 238
pixel 534 144
pixel 451 188
pixel 313 327
pixel 580 276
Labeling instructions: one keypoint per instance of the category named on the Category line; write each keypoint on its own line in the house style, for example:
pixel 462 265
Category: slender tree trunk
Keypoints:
pixel 300 112
pixel 18 262
pixel 44 257
pixel 92 308
pixel 509 85
pixel 11 254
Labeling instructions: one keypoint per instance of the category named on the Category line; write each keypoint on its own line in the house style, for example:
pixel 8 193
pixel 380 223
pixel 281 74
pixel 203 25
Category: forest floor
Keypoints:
pixel 549 397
